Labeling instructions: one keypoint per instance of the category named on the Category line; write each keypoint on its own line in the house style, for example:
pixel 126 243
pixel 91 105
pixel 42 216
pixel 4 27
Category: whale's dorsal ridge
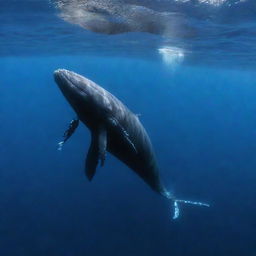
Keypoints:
pixel 96 152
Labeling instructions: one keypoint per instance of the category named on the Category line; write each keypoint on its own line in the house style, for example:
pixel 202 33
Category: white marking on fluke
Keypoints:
pixel 176 214
pixel 176 206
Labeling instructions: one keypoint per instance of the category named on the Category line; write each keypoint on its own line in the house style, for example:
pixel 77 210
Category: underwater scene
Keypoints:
pixel 128 127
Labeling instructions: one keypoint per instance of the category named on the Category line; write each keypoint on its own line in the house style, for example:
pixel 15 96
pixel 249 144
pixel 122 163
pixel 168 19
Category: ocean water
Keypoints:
pixel 188 68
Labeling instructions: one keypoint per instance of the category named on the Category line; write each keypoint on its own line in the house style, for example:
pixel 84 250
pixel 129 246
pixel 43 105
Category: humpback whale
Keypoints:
pixel 114 129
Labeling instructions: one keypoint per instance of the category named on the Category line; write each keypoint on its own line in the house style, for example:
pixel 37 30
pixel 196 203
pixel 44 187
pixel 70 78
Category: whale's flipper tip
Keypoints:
pixel 90 174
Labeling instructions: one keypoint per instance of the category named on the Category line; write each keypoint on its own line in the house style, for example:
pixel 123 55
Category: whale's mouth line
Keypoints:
pixel 62 76
pixel 67 80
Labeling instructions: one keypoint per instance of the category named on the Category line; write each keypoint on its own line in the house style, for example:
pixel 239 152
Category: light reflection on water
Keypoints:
pixel 213 32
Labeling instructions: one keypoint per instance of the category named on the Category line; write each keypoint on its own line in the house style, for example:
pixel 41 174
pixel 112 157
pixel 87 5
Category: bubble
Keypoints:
pixel 172 56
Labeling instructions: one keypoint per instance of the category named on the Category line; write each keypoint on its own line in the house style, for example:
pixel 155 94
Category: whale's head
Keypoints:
pixel 78 90
pixel 71 84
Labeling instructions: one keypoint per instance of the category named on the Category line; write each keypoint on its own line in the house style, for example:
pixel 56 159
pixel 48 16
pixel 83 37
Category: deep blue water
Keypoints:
pixel 200 114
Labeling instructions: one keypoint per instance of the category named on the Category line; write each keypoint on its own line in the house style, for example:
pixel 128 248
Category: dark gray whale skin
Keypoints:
pixel 113 128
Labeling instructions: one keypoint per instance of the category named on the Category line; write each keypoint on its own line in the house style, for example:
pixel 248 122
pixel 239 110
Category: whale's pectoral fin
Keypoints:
pixel 91 160
pixel 124 133
pixel 102 136
pixel 96 152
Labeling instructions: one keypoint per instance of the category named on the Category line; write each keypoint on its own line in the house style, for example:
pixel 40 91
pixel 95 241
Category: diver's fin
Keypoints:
pixel 68 133
pixel 96 152
pixel 124 133
pixel 177 201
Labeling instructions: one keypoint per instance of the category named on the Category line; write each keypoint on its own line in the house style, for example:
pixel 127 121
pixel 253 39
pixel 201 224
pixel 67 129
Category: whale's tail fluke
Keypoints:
pixel 176 203
pixel 177 209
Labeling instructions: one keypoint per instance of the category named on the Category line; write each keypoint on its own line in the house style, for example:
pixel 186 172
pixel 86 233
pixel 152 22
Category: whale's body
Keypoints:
pixel 105 115
pixel 114 128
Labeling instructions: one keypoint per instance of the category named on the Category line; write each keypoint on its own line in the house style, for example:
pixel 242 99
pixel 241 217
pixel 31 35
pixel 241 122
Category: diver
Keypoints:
pixel 68 133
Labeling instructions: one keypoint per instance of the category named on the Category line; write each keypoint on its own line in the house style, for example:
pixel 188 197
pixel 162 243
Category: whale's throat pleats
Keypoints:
pixel 96 152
